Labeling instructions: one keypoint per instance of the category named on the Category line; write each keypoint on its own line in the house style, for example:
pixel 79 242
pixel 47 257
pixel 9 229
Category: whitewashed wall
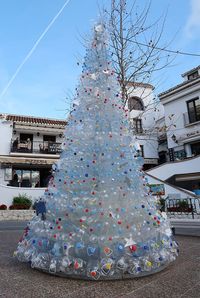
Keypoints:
pixel 2 181
pixel 175 107
pixel 152 112
pixel 8 192
pixel 6 128
pixel 169 169
pixel 150 146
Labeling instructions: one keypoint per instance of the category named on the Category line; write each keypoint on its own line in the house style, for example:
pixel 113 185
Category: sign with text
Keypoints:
pixel 157 189
pixel 54 148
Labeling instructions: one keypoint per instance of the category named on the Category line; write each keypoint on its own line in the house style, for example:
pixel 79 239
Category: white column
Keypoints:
pixel 188 150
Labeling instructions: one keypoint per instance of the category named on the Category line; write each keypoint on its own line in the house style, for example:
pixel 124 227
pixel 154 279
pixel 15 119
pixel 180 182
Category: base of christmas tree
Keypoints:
pixel 95 261
pixel 119 276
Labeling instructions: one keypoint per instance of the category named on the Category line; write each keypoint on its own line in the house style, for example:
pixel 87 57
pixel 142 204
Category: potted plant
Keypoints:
pixel 180 206
pixel 22 201
pixel 3 207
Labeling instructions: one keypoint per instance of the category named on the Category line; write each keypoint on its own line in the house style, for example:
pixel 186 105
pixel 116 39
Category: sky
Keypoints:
pixel 50 74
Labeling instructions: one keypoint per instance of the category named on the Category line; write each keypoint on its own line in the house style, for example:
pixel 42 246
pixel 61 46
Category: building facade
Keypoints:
pixel 28 148
pixel 144 112
pixel 182 116
pixel 179 142
pixel 30 145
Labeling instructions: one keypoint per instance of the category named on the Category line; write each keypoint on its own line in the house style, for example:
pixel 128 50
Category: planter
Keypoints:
pixel 19 207
pixel 180 209
pixel 3 207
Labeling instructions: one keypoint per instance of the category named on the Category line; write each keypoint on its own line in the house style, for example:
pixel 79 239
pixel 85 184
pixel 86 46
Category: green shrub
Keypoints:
pixel 23 201
pixel 161 204
pixel 183 204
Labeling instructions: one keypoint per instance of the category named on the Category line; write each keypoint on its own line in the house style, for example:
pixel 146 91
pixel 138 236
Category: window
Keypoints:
pixel 25 178
pixel 49 138
pixel 48 141
pixel 24 137
pixel 195 148
pixel 135 103
pixel 142 150
pixel 162 157
pixel 26 143
pixel 137 125
pixel 8 174
pixel 193 107
pixel 193 75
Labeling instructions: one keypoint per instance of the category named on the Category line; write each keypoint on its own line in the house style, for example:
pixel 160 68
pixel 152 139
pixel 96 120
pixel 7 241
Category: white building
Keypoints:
pixel 143 114
pixel 182 120
pixel 28 148
pixel 182 116
pixel 162 141
pixel 30 145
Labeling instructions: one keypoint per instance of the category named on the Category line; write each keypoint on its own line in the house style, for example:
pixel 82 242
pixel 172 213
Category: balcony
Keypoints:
pixel 190 118
pixel 36 147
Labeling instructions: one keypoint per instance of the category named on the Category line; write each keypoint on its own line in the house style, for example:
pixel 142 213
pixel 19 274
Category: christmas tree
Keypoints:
pixel 101 222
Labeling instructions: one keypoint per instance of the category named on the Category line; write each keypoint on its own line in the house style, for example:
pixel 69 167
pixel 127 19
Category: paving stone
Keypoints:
pixel 180 279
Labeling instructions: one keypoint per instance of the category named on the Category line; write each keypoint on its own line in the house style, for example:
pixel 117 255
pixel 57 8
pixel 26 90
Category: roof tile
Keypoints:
pixel 31 119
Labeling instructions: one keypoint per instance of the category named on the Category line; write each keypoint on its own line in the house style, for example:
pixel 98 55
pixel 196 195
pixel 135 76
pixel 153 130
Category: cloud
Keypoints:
pixel 193 23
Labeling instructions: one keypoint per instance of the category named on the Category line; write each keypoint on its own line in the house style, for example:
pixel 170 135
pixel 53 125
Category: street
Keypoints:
pixel 180 279
pixel 12 225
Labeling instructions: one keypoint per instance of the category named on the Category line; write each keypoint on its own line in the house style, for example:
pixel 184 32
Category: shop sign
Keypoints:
pixel 157 189
pixel 36 162
pixel 54 148
pixel 193 133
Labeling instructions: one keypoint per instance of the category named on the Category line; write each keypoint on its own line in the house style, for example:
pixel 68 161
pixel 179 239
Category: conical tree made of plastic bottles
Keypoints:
pixel 101 222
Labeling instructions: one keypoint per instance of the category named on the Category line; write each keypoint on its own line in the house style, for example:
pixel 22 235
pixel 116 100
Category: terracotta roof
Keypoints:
pixel 185 83
pixel 31 119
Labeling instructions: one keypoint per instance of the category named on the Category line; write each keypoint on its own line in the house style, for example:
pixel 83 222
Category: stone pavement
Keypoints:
pixel 179 280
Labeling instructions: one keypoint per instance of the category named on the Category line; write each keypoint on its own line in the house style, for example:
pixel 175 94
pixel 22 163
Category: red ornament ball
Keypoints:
pixel 93 273
pixel 133 248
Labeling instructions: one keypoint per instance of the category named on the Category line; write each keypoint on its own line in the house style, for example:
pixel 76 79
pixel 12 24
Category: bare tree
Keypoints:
pixel 136 49
pixel 137 54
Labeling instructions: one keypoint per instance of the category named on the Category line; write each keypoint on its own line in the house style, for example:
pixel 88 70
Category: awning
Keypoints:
pixel 10 160
pixel 27 128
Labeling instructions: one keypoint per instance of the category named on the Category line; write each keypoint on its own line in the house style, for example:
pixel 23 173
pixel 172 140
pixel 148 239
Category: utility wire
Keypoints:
pixel 166 50
pixel 33 49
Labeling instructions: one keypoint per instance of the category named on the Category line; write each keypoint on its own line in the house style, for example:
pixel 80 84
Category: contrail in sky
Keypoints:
pixel 33 49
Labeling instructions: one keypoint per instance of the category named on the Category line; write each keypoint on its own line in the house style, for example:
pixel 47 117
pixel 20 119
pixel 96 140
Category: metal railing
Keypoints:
pixel 43 147
pixel 179 207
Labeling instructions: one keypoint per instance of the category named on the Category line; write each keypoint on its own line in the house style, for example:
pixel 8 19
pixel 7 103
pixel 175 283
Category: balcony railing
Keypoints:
pixel 189 207
pixel 190 118
pixel 136 129
pixel 36 147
